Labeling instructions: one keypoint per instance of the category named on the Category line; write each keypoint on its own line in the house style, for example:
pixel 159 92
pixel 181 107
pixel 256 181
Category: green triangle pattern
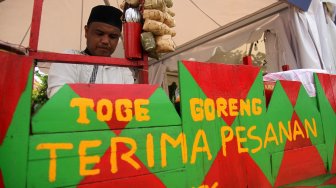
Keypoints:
pixel 303 103
pixel 260 121
pixel 161 112
pixel 39 159
pixel 57 115
pixel 280 109
pixel 195 175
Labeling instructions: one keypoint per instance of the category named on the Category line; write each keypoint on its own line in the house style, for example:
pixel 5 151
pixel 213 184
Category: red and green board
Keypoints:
pixel 131 135
pixel 246 143
pixel 16 73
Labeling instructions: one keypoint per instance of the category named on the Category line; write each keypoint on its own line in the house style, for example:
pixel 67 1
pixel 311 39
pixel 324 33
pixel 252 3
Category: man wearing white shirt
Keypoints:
pixel 102 34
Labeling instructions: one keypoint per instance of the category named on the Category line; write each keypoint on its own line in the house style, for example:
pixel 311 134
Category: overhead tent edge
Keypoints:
pixel 228 28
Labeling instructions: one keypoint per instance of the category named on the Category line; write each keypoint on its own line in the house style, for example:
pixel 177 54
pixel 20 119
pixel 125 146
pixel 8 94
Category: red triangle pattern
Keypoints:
pixel 97 92
pixel 233 163
pixel 300 142
pixel 2 183
pixel 333 168
pixel 244 172
pixel 333 85
pixel 331 181
pixel 113 92
pixel 255 176
pixel 14 71
pixel 125 170
pixel 328 84
pixel 295 165
pixel 238 82
pixel 139 181
pixel 292 89
pixel 231 81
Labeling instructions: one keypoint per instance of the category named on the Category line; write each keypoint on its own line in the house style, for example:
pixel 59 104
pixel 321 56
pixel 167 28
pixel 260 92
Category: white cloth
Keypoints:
pixel 331 38
pixel 310 38
pixel 305 76
pixel 61 73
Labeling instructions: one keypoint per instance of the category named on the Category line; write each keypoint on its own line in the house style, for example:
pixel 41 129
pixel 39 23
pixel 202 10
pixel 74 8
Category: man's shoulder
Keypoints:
pixel 72 51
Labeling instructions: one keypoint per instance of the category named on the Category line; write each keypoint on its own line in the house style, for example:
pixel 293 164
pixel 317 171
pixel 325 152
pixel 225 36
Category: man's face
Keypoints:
pixel 101 38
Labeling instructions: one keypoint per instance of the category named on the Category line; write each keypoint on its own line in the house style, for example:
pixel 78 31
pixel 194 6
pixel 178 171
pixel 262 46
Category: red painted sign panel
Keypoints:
pixel 234 131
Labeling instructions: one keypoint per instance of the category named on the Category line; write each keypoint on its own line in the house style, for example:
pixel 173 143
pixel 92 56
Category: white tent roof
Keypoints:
pixel 205 30
pixel 63 20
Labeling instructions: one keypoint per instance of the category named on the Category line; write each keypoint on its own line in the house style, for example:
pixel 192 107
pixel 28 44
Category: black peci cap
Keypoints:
pixel 106 14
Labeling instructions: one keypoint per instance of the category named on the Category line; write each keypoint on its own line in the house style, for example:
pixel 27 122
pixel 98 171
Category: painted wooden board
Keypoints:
pixel 326 95
pixel 225 106
pixel 106 133
pixel 198 84
pixel 303 116
pixel 15 101
pixel 325 181
pixel 105 107
pixel 297 166
pixel 231 133
pixel 98 156
pixel 142 181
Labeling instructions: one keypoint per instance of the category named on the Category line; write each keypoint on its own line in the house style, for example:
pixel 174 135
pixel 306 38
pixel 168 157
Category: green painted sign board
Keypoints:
pixel 131 135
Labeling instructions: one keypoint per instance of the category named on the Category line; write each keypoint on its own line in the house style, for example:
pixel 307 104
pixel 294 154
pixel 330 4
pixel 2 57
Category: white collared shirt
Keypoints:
pixel 61 73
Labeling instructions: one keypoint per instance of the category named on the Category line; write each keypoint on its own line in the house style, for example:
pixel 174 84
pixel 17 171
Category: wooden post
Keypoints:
pixel 35 25
pixel 143 73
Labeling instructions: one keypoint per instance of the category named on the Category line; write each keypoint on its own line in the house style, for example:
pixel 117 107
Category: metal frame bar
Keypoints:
pixel 77 59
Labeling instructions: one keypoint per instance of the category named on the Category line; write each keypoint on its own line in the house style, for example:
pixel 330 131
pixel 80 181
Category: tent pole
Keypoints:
pixel 35 26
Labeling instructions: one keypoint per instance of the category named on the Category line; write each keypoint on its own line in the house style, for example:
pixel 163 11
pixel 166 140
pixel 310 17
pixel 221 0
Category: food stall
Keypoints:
pixel 233 129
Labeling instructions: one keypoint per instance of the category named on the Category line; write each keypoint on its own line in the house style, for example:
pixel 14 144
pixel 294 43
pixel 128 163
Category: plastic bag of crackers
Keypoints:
pixel 158 26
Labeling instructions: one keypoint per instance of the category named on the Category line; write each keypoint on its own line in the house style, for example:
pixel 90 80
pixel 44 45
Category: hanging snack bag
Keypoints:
pixel 133 3
pixel 164 44
pixel 169 3
pixel 169 20
pixel 122 5
pixel 154 4
pixel 153 14
pixel 172 32
pixel 157 28
pixel 154 54
pixel 170 12
pixel 148 41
